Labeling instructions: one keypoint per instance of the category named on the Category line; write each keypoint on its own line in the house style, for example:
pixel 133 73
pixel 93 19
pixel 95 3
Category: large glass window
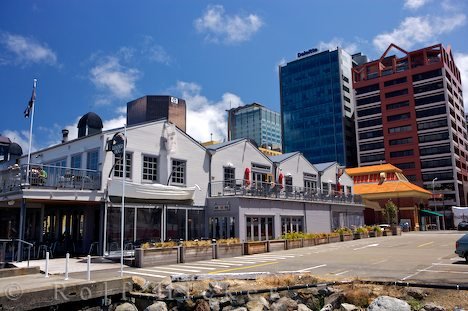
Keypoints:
pixel 428 87
pixel 369 111
pixel 92 160
pixel 367 89
pixel 432 124
pixel 292 224
pixel 399 129
pixel 401 141
pixel 118 168
pixel 368 100
pixel 178 172
pixel 369 123
pixel 229 177
pixel 398 105
pixel 148 224
pixel 373 157
pixel 429 99
pixel 427 75
pixel 175 224
pixel 372 146
pixel 395 81
pixel 430 112
pixel 259 228
pixel 150 168
pixel 371 134
pixel 396 93
pixel 75 161
pixel 402 153
pixel 195 223
pixel 399 117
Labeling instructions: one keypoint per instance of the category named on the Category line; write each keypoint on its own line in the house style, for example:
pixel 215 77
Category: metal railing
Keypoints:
pixel 240 187
pixel 16 178
pixel 8 250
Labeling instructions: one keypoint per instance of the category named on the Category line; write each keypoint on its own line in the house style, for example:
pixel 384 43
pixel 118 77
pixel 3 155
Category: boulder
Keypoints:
pixel 274 297
pixel 348 307
pixel 240 309
pixel 432 307
pixel 327 308
pixel 386 303
pixel 302 307
pixel 157 306
pixel 178 290
pixel 416 293
pixel 202 305
pixel 139 283
pixel 258 304
pixel 335 300
pixel 284 304
pixel 214 304
pixel 218 287
pixel 326 291
pixel 126 306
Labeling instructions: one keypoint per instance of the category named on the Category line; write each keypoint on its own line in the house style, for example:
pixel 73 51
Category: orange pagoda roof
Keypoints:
pixel 372 169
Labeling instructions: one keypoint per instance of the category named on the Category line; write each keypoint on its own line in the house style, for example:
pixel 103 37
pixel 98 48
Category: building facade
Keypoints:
pixel 156 107
pixel 409 112
pixel 317 108
pixel 257 123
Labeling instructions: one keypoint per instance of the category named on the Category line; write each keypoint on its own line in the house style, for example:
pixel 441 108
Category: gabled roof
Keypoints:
pixel 283 157
pixel 225 144
pixel 372 169
pixel 390 189
pixel 323 166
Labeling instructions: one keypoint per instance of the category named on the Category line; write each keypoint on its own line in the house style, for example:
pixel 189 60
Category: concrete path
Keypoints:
pixel 57 265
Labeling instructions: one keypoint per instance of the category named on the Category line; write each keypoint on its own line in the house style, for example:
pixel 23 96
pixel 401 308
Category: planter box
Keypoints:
pixel 396 230
pixel 290 244
pixel 386 232
pixel 309 242
pixel 226 251
pixel 372 234
pixel 196 253
pixel 276 245
pixel 156 256
pixel 346 237
pixel 251 248
pixel 334 239
pixel 358 236
pixel 321 241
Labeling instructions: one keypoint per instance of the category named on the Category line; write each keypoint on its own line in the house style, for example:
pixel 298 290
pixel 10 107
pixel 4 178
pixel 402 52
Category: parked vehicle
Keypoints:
pixel 462 226
pixel 461 247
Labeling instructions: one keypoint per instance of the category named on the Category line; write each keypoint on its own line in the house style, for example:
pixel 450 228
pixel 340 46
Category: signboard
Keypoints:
pixel 219 207
pixel 305 53
pixel 116 145
pixel 174 100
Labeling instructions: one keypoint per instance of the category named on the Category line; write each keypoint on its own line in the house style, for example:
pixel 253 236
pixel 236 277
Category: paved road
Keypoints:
pixel 425 256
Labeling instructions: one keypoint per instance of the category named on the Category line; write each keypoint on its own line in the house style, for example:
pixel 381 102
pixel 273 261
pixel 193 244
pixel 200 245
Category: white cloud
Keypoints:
pixel 20 50
pixel 417 30
pixel 415 4
pixel 461 60
pixel 21 138
pixel 109 74
pixel 279 63
pixel 154 52
pixel 218 26
pixel 203 115
pixel 351 48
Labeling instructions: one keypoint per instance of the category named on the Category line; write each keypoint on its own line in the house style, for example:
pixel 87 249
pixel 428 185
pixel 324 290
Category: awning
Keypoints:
pixel 431 213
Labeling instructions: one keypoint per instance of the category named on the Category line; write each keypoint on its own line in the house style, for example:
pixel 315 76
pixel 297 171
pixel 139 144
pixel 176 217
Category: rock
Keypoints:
pixel 348 307
pixel 313 303
pixel 188 304
pixel 126 306
pixel 416 293
pixel 157 306
pixel 335 300
pixel 139 283
pixel 274 297
pixel 326 291
pixel 224 302
pixel 327 308
pixel 202 305
pixel 432 307
pixel 257 304
pixel 386 303
pixel 284 304
pixel 178 290
pixel 302 307
pixel 307 293
pixel 240 309
pixel 214 304
pixel 238 301
pixel 218 287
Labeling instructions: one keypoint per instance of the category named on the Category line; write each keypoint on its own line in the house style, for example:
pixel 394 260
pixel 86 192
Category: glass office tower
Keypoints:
pixel 256 122
pixel 317 106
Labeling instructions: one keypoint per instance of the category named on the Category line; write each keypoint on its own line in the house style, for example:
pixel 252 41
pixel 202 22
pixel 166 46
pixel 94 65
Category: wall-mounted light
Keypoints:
pixel 11 202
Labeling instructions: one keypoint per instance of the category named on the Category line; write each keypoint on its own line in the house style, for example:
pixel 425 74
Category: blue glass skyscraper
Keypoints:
pixel 317 110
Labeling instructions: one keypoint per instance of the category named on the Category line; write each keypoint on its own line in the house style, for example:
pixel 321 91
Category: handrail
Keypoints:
pixel 29 244
pixel 24 242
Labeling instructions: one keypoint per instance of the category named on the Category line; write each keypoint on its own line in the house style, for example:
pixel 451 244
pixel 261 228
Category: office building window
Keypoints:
pixel 402 153
pixel 400 129
pixel 178 172
pixel 396 93
pixel 395 81
pixel 118 168
pixel 398 105
pixel 292 224
pixel 399 117
pixel 402 141
pixel 150 168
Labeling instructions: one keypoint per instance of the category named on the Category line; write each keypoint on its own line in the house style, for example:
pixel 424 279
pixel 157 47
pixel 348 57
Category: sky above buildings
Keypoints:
pixel 98 55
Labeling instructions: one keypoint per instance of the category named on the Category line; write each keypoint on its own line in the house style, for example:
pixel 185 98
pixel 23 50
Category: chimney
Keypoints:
pixel 64 136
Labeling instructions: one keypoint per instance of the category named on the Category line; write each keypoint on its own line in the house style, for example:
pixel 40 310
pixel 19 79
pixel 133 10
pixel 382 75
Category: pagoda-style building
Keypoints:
pixel 377 184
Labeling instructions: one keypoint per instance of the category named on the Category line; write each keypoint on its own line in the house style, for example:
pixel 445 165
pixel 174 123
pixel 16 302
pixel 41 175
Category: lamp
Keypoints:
pixel 433 196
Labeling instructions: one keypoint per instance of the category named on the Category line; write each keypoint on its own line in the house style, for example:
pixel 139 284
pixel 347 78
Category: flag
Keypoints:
pixel 28 109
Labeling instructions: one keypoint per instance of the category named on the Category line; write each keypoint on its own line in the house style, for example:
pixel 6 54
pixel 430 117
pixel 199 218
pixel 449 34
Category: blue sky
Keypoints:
pixel 98 55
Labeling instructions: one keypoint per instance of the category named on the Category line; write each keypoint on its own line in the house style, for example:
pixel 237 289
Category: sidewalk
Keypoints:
pixel 57 265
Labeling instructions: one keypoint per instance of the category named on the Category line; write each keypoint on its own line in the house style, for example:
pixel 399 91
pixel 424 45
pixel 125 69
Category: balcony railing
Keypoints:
pixel 239 187
pixel 16 178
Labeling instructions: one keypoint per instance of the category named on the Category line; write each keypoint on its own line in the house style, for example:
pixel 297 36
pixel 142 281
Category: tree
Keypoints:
pixel 390 212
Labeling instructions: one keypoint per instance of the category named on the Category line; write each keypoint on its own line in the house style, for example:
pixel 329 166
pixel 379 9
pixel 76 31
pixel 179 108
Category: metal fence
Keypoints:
pixel 48 176
pixel 240 187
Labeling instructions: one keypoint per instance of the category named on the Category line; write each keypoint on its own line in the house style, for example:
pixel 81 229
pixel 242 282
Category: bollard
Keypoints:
pixel 89 268
pixel 47 264
pixel 67 258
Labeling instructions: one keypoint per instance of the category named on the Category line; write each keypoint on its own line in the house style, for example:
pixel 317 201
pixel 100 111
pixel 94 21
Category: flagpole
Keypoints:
pixel 122 217
pixel 33 98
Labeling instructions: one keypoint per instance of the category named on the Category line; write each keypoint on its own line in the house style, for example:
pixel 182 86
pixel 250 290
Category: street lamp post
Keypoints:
pixel 433 192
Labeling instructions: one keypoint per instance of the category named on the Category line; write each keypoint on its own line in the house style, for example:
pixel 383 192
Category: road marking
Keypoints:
pixel 242 268
pixel 203 268
pixel 428 243
pixel 366 246
pixel 448 264
pixel 312 268
pixel 145 274
pixel 243 262
pixel 213 265
pixel 445 271
pixel 342 272
pixel 179 269
pixel 380 261
pixel 225 263
pixel 416 273
pixel 162 271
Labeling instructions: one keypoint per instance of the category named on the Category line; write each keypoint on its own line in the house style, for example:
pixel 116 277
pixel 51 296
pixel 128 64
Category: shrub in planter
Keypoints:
pixel 345 233
pixel 360 233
